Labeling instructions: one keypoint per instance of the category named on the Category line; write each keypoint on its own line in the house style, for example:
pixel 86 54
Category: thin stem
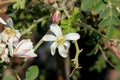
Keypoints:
pixel 18 76
pixel 75 60
pixel 90 28
pixel 40 42
pixel 103 53
pixel 77 50
pixel 66 12
pixel 33 25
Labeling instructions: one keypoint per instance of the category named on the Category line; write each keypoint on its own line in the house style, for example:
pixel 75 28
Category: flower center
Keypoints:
pixel 10 32
pixel 60 40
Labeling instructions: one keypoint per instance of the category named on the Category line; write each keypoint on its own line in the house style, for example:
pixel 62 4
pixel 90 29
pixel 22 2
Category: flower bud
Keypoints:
pixel 56 16
pixel 48 1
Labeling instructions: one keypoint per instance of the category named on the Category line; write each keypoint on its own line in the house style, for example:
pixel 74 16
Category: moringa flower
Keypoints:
pixel 24 49
pixel 59 40
pixel 9 32
pixel 9 35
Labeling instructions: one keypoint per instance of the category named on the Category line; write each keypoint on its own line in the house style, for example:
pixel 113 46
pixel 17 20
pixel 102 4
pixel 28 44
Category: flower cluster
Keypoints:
pixel 60 41
pixel 11 46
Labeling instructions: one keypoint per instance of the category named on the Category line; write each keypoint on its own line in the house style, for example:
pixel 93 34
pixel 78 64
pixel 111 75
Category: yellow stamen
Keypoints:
pixel 60 40
pixel 10 32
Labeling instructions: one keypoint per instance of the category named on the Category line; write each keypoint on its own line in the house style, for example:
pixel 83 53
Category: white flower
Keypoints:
pixel 10 36
pixel 3 53
pixel 59 40
pixel 24 49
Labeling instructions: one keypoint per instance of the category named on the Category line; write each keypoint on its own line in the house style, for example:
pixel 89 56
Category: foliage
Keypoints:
pixel 32 73
pixel 108 14
pixel 70 24
pixel 9 78
pixel 97 22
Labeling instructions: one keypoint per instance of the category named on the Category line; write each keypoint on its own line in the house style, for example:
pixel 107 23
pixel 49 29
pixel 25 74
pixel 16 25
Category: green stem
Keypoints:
pixel 77 50
pixel 75 60
pixel 40 42
pixel 66 12
pixel 88 27
pixel 33 25
pixel 18 77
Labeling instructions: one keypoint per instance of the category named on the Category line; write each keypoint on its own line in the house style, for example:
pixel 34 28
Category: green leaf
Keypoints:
pixel 64 22
pixel 69 25
pixel 32 73
pixel 9 78
pixel 20 4
pixel 105 13
pixel 87 4
pixel 114 2
pixel 113 33
pixel 110 19
pixel 105 22
pixel 99 6
pixel 115 20
pixel 115 12
pixel 93 5
pixel 109 12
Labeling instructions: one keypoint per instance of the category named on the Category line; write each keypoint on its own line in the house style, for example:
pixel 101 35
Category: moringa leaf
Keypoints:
pixel 87 4
pixel 9 78
pixel 113 33
pixel 32 73
pixel 93 5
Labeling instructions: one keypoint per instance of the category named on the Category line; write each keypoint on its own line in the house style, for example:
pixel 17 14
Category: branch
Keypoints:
pixel 105 57
pixel 75 60
pixel 33 25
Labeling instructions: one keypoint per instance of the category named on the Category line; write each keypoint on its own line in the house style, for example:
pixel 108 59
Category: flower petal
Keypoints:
pixel 24 46
pixel 10 45
pixel 66 45
pixel 16 38
pixel 53 47
pixel 2 21
pixel 62 51
pixel 49 38
pixel 72 36
pixel 24 49
pixel 29 54
pixel 56 29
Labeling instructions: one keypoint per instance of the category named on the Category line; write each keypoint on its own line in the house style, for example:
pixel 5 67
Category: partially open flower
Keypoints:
pixel 59 40
pixel 24 49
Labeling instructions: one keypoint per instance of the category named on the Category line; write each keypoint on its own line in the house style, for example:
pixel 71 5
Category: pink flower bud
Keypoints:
pixel 49 1
pixel 56 16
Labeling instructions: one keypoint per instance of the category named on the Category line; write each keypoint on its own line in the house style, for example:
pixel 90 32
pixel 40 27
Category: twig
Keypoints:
pixel 33 25
pixel 105 57
pixel 40 42
pixel 75 60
